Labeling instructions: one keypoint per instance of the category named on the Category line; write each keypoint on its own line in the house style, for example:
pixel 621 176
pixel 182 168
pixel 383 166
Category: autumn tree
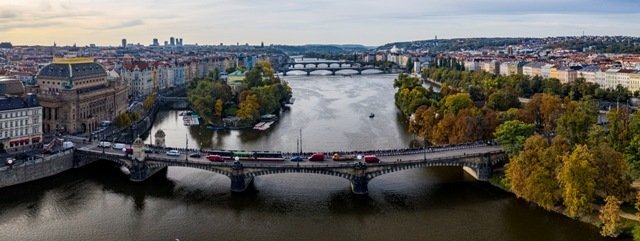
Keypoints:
pixel 610 217
pixel 577 180
pixel 530 174
pixel 218 108
pixel 612 171
pixel 249 108
pixel 456 102
pixel 575 123
pixel 619 132
pixel 511 135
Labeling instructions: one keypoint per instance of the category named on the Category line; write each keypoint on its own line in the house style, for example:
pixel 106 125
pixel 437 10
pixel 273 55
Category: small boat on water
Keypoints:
pixel 372 115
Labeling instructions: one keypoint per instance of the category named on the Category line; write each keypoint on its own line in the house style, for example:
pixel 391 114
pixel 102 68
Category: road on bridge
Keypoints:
pixel 433 154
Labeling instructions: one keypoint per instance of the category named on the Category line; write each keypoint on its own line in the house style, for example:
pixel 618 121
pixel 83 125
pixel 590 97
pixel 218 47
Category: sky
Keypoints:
pixel 297 22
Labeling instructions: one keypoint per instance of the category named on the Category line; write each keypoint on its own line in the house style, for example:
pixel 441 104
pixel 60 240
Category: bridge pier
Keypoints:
pixel 239 182
pixel 333 72
pixel 360 181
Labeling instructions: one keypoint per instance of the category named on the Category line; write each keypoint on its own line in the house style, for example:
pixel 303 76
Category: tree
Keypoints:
pixel 218 107
pixel 575 123
pixel 456 102
pixel 149 101
pixel 503 100
pixel 619 134
pixel 577 180
pixel 531 173
pixel 511 135
pixel 610 217
pixel 123 120
pixel 632 156
pixel 249 109
pixel 613 172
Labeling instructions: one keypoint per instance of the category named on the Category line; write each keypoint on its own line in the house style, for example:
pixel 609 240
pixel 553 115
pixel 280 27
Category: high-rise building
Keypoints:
pixel 77 94
pixel 155 42
pixel 124 42
pixel 172 41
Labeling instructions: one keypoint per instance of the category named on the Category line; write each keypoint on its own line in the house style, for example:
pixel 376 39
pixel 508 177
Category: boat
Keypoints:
pixel 258 126
pixel 372 115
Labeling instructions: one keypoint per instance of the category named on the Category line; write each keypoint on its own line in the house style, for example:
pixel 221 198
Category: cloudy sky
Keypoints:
pixel 369 22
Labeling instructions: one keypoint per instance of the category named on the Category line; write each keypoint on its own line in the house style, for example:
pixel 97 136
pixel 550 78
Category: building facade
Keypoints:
pixel 20 117
pixel 76 95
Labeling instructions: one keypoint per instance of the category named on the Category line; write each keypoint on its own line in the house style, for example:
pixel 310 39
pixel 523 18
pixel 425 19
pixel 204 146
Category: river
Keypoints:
pixel 99 203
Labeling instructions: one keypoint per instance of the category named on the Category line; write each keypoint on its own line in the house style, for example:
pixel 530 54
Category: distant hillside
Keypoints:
pixel 321 48
pixel 458 44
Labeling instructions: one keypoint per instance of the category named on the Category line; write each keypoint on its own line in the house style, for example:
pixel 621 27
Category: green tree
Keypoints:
pixel 619 121
pixel 511 135
pixel 613 172
pixel 610 217
pixel 577 180
pixel 503 100
pixel 456 102
pixel 632 156
pixel 123 120
pixel 575 123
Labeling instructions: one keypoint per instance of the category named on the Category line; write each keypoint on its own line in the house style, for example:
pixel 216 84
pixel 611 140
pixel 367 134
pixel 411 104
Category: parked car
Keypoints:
pixel 215 158
pixel 317 157
pixel 195 155
pixel 128 150
pixel 10 161
pixel 371 159
pixel 148 150
pixel 173 153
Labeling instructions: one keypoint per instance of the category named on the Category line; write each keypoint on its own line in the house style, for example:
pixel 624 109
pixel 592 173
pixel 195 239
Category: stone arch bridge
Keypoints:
pixel 478 164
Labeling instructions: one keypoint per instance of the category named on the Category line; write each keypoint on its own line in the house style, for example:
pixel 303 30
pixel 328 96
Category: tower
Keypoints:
pixel 172 41
pixel 124 42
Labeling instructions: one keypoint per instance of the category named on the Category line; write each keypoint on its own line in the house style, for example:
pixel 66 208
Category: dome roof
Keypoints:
pixel 138 142
pixel 11 86
pixel 160 133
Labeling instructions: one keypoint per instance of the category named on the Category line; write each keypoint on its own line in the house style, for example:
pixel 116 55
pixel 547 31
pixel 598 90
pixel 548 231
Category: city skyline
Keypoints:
pixel 370 23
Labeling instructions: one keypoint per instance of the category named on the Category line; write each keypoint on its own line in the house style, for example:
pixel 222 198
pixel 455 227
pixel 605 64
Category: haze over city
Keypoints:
pixel 102 22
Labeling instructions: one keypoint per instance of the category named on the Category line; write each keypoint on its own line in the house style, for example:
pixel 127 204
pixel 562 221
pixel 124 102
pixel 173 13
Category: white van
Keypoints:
pixel 104 144
pixel 67 145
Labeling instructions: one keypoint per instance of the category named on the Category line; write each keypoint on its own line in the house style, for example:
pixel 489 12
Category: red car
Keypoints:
pixel 317 157
pixel 371 159
pixel 215 158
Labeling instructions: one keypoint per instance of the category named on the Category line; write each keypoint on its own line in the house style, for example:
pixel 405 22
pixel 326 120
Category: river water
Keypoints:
pixel 99 203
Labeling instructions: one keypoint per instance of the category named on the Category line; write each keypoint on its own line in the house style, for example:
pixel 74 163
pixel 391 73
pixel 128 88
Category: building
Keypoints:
pixel 567 75
pixel 124 42
pixel 77 94
pixel 20 117
pixel 155 42
pixel 172 41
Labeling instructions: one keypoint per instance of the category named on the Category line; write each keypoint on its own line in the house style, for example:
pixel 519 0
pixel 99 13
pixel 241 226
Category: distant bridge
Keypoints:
pixel 478 160
pixel 331 66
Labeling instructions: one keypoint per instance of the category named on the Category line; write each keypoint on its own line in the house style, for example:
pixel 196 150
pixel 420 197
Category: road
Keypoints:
pixel 436 153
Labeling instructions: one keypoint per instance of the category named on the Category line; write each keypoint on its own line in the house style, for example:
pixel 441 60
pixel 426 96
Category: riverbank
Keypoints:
pixel 629 219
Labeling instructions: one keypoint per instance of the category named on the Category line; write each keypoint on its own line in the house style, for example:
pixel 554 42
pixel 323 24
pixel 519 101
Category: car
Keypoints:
pixel 215 158
pixel 105 144
pixel 148 150
pixel 318 157
pixel 297 159
pixel 173 153
pixel 128 150
pixel 371 159
pixel 10 161
pixel 195 155
pixel 119 146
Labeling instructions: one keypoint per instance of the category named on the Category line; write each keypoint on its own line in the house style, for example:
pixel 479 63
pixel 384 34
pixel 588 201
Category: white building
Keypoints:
pixel 20 117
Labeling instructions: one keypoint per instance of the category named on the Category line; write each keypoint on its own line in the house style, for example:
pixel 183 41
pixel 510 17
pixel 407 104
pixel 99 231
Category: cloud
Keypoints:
pixel 304 21
pixel 126 24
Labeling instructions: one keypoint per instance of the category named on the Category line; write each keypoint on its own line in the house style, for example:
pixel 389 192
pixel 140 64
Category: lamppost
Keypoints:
pixel 186 148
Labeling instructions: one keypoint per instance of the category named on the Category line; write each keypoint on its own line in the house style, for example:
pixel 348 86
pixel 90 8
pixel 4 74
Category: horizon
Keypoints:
pixel 325 22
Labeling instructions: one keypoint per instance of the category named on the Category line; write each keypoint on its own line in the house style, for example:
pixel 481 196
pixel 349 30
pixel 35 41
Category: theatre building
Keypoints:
pixel 77 94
